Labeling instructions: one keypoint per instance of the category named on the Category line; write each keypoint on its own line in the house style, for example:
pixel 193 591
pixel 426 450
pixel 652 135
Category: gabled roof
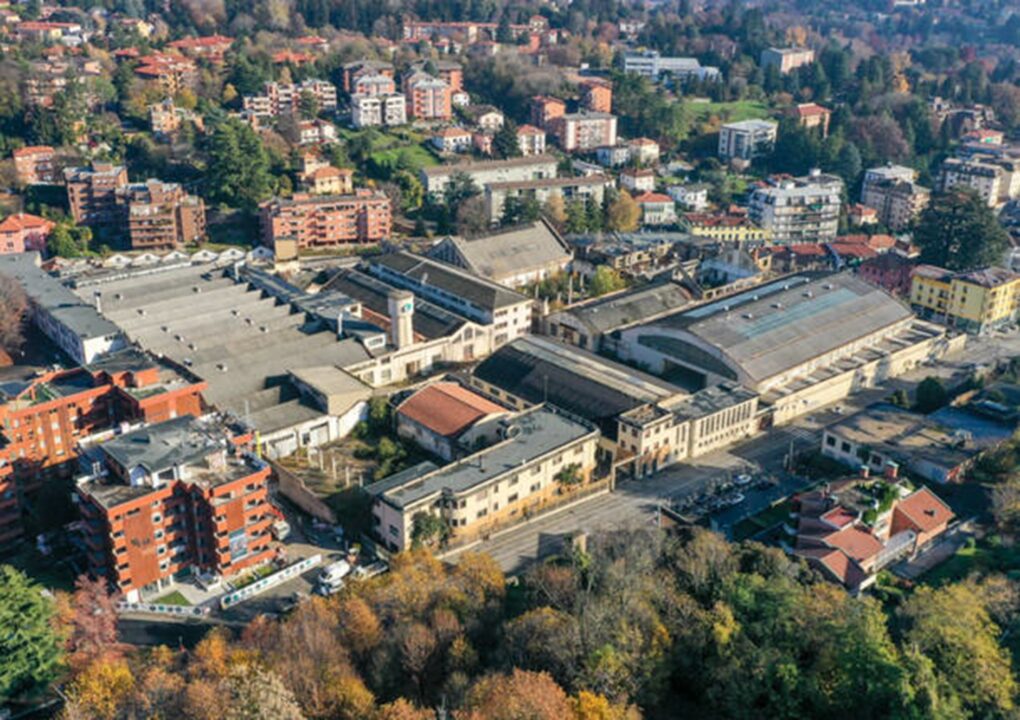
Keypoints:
pixel 24 221
pixel 447 408
pixel 514 250
pixel 855 542
pixel 924 510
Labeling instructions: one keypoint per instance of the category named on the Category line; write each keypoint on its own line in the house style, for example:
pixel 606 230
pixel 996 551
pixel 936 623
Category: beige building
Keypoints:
pixel 532 457
pixel 534 167
pixel 996 182
pixel 591 187
pixel 787 59
pixel 894 195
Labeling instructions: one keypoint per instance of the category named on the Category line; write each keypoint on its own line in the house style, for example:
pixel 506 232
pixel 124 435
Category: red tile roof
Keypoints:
pixel 924 510
pixel 447 408
pixel 194 42
pixel 856 543
pixel 810 110
pixel 24 221
pixel 650 197
pixel 32 150
pixel 839 516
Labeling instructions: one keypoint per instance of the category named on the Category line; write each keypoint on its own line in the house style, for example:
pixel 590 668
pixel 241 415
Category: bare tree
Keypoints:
pixel 13 309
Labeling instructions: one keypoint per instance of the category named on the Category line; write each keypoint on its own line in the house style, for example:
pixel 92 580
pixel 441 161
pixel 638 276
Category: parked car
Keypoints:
pixel 364 572
pixel 327 589
pixel 334 572
pixel 743 479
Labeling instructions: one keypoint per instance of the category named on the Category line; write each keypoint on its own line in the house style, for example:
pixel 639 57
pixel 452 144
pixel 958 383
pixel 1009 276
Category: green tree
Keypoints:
pixel 505 143
pixel 412 193
pixel 63 243
pixel 605 280
pixel 520 210
pixel 958 231
pixel 427 529
pixel 308 105
pixel 931 395
pixel 30 650
pixel 239 166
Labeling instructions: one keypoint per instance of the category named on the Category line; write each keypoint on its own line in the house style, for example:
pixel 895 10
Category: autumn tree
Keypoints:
pixel 30 653
pixel 605 280
pixel 101 691
pixel 250 692
pixel 93 621
pixel 520 694
pixel 624 214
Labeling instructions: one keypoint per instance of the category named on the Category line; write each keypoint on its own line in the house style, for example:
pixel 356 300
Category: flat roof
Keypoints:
pixel 468 167
pixel 537 432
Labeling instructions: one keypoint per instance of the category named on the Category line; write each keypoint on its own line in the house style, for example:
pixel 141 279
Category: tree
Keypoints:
pixel 427 529
pixel 605 280
pixel 412 193
pixel 958 231
pixel 30 654
pixel 517 696
pixel 250 692
pixel 518 210
pixel 505 143
pixel 13 308
pixel 931 395
pixel 555 211
pixel 624 214
pixel 308 105
pixel 472 216
pixel 93 621
pixel 101 690
pixel 239 166
pixel 570 475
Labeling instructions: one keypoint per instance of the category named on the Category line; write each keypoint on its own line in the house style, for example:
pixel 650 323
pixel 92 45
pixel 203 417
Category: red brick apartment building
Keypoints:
pixel 428 98
pixel 309 222
pixel 211 48
pixel 161 216
pixel 597 95
pixel 21 231
pixel 92 192
pixel 43 419
pixel 174 499
pixel 34 165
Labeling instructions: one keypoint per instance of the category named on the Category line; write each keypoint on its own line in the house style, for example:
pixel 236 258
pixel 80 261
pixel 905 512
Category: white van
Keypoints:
pixel 333 573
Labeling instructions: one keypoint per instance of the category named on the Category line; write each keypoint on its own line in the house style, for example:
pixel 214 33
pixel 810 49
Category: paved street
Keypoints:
pixel 634 502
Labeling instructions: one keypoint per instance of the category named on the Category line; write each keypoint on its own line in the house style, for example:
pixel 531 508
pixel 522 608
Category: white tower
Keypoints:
pixel 401 311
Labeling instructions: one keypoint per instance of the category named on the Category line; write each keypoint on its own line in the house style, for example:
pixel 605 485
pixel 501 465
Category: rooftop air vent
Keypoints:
pixel 748 316
pixel 809 294
pixel 827 286
pixel 187 361
pixel 777 306
pixel 222 367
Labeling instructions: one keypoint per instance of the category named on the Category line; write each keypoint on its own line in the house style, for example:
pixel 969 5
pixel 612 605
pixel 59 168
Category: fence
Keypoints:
pixel 182 611
pixel 259 586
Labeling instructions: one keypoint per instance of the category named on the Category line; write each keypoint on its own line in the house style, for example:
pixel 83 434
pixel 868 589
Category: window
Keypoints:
pixel 845 447
pixel 535 487
pixel 512 498
pixel 394 531
pixel 482 513
pixel 830 441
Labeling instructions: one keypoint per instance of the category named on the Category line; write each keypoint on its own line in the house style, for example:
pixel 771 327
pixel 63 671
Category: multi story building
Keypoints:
pixel 894 195
pixel 306 222
pixel 653 66
pixel 530 457
pixel 360 68
pixel 378 110
pixel 212 47
pixel 536 167
pixel 995 181
pixel 170 73
pixel 428 98
pixel 45 418
pixel 597 95
pixel 804 209
pixel 286 98
pixel 591 188
pixel 747 140
pixel 451 140
pixel 975 301
pixel 545 110
pixel 531 140
pixel 34 165
pixel 813 116
pixel 584 131
pixel 161 215
pixel 166 119
pixel 177 498
pixel 328 180
pixel 373 84
pixel 656 208
pixel 726 227
pixel 22 232
pixel 92 192
pixel 786 60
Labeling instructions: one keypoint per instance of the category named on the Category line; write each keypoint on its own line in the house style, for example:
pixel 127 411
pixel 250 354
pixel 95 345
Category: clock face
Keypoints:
pixel 407 307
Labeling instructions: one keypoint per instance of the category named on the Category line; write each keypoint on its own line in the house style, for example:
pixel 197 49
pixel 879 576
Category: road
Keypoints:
pixel 634 502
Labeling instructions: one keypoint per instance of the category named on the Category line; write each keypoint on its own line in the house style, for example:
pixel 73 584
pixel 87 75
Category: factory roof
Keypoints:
pixel 512 251
pixel 629 308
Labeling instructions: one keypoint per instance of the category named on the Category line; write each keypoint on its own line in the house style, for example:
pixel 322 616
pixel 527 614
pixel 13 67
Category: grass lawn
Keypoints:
pixel 173 598
pixel 769 517
pixel 982 558
pixel 418 155
pixel 728 111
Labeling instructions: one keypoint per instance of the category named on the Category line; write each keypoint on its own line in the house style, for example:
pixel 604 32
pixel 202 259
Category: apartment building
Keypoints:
pixel 43 419
pixel 532 456
pixel 975 301
pixel 173 499
pixel 161 215
pixel 353 71
pixel 804 209
pixel 813 117
pixel 652 65
pixel 584 131
pixel 747 140
pixel 995 181
pixel 895 197
pixel 597 95
pixel 23 232
pixel 591 188
pixel 545 110
pixel 373 84
pixel 166 119
pixel 286 98
pixel 531 140
pixel 170 73
pixel 726 227
pixel 46 78
pixel 786 60
pixel 92 192
pixel 378 110
pixel 35 164
pixel 428 97
pixel 306 222
pixel 535 167
pixel 211 47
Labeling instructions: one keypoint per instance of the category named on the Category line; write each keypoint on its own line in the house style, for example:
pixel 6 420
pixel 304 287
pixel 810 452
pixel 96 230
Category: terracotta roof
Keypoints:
pixel 811 109
pixel 32 150
pixel 24 221
pixel 650 197
pixel 856 543
pixel 924 510
pixel 209 41
pixel 529 130
pixel 837 563
pixel 839 516
pixel 858 250
pixel 447 409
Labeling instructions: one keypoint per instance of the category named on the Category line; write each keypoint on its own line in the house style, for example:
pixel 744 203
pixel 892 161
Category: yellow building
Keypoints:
pixel 726 228
pixel 974 301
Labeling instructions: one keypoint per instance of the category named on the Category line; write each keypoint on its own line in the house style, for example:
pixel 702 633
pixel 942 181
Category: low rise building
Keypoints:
pixel 583 131
pixel 329 180
pixel 813 117
pixel 693 196
pixel 514 257
pixel 652 65
pixel 656 209
pixel 786 60
pixel 804 209
pixel 166 119
pixel 535 455
pixel 976 301
pixel 210 47
pixel 726 227
pixel 178 498
pixel 531 140
pixel 23 232
pixel 597 94
pixel 545 110
pixel 306 222
pixel 287 98
pixel 35 164
pixel 535 167
pixel 452 140
pixel 439 415
pixel 637 180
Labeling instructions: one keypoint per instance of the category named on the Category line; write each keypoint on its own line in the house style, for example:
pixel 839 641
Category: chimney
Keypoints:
pixel 99 301
pixel 892 470
pixel 339 326
pixel 401 312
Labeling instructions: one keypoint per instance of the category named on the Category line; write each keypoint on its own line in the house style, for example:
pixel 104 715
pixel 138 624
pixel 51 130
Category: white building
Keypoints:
pixel 747 139
pixel 804 209
pixel 652 65
pixel 378 110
